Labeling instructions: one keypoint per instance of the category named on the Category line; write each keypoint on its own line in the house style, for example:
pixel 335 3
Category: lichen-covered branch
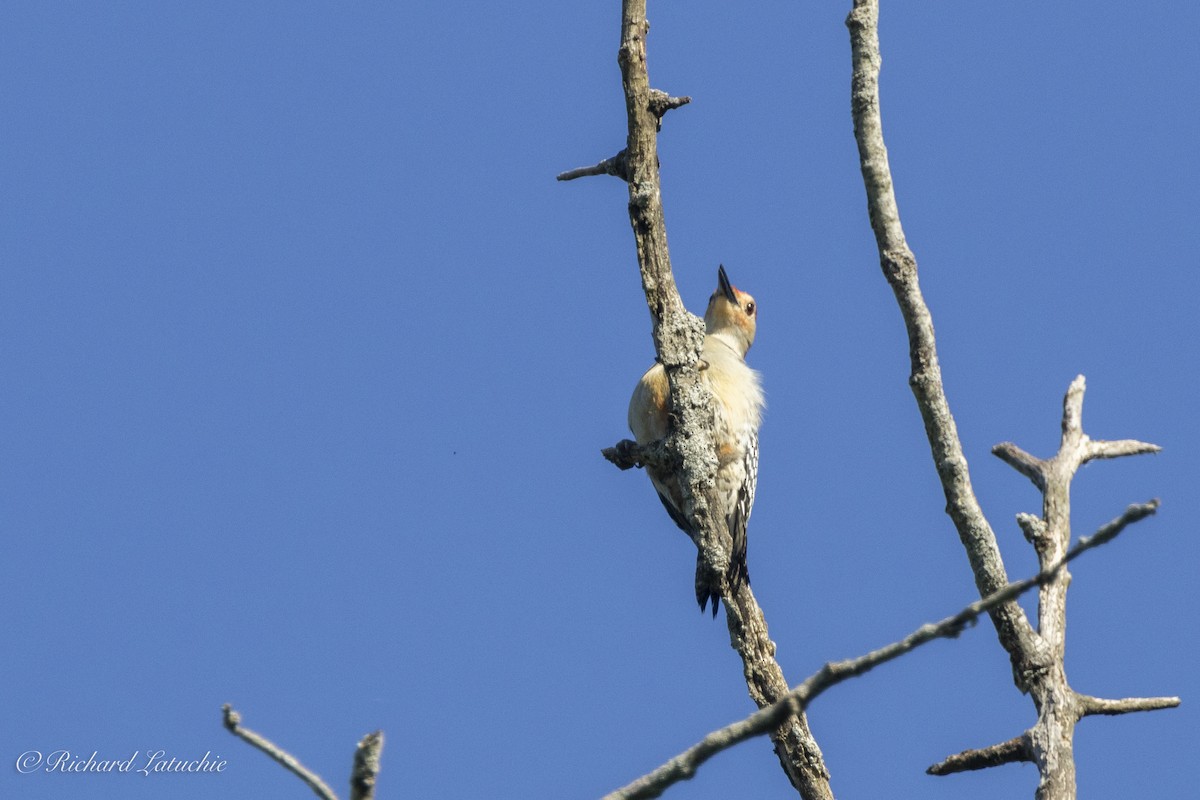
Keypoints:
pixel 678 334
pixel 627 454
pixel 366 766
pixel 661 103
pixel 688 448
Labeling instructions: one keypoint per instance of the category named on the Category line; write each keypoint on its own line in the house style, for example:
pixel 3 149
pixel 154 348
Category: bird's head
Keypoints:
pixel 732 314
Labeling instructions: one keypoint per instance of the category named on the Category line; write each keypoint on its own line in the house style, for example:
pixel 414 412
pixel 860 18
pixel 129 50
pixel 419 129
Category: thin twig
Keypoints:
pixel 1109 530
pixel 1118 448
pixel 1090 706
pixel 661 103
pixel 684 765
pixel 233 722
pixel 1029 466
pixel 1011 752
pixel 615 166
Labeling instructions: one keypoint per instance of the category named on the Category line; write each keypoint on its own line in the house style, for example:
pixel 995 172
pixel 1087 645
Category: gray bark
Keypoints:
pixel 1037 657
pixel 678 336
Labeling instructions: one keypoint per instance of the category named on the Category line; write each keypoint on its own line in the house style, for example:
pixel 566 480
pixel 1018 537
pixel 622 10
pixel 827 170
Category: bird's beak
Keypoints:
pixel 725 287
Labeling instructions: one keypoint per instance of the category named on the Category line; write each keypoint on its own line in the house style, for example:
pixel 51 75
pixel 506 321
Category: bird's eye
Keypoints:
pixel 750 308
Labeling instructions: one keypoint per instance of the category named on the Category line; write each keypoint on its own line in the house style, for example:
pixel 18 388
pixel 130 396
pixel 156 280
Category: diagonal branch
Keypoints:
pixel 233 722
pixel 678 336
pixel 684 766
pixel 900 268
pixel 1013 751
pixel 1029 466
pixel 1110 530
pixel 362 776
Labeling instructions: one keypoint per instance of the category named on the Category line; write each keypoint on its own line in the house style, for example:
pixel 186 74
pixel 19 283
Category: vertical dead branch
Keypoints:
pixel 1051 739
pixel 366 766
pixel 1036 656
pixel 678 336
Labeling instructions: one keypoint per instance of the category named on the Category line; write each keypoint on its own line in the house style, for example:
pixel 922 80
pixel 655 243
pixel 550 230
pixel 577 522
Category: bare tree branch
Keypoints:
pixel 1034 529
pixel 678 336
pixel 900 268
pixel 233 722
pixel 615 166
pixel 627 454
pixel 684 766
pixel 661 103
pixel 1022 462
pixel 362 777
pixel 1089 706
pixel 1059 706
pixel 1037 657
pixel 1109 530
pixel 366 766
pixel 1011 752
pixel 1122 447
pixel 1085 450
pixel 1072 418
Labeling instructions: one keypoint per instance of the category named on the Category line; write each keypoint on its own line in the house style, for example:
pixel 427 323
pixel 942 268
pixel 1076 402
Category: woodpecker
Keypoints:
pixel 729 322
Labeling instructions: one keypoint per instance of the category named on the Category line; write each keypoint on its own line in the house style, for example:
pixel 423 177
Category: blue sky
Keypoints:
pixel 307 361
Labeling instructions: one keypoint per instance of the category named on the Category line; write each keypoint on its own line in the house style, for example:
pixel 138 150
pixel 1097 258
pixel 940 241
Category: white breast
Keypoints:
pixel 737 388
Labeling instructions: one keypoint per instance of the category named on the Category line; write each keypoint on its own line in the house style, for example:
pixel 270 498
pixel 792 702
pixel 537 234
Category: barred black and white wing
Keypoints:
pixel 739 515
